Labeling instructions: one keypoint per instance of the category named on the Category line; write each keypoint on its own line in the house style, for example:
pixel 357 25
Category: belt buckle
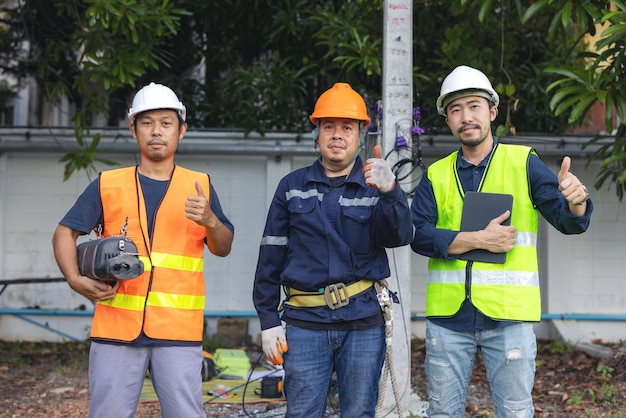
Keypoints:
pixel 336 295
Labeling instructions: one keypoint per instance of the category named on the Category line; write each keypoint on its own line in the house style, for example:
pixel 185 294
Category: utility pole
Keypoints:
pixel 397 103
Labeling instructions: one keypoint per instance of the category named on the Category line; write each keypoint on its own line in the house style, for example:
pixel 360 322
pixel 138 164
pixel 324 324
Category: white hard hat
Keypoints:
pixel 465 81
pixel 156 96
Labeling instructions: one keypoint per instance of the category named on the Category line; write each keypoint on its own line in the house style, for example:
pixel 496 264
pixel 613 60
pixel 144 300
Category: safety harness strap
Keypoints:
pixel 334 295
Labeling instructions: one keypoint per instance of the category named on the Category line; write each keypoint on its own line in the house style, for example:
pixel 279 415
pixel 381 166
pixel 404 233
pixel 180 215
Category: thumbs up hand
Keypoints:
pixel 377 172
pixel 564 172
pixel 198 208
pixel 570 186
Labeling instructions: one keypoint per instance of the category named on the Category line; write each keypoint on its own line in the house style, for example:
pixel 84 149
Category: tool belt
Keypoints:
pixel 334 295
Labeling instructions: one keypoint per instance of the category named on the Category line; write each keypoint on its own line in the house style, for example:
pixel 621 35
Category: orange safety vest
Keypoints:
pixel 167 300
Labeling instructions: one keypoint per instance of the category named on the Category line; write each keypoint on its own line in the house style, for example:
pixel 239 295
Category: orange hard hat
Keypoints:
pixel 340 101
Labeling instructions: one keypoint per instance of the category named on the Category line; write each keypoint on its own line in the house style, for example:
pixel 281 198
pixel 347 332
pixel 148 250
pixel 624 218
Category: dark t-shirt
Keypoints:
pixel 86 214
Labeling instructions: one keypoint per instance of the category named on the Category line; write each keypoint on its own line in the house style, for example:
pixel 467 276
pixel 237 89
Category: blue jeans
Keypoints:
pixel 509 357
pixel 357 356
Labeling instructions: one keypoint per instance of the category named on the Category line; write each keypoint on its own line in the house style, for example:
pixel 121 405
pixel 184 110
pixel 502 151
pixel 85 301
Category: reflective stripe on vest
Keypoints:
pixel 178 262
pixel 508 291
pixel 167 300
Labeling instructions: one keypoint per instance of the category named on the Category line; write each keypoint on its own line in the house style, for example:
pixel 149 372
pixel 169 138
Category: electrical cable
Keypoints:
pixel 408 166
pixel 243 396
pixel 245 388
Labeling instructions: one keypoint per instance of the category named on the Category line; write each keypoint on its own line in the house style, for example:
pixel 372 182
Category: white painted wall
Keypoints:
pixel 582 274
pixel 587 273
pixel 35 198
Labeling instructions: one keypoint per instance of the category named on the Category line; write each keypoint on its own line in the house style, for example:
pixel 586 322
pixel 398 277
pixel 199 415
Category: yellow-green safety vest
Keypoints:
pixel 508 291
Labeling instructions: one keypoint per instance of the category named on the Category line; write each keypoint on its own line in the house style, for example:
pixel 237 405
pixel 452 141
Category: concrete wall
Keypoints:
pixel 580 274
pixel 35 198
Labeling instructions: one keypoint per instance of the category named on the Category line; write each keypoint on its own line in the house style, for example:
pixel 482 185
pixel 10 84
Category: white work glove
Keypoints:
pixel 274 344
pixel 377 172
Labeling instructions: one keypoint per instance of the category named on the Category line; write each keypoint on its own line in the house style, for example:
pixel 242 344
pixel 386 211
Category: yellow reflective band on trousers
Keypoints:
pixel 167 301
pixel 508 291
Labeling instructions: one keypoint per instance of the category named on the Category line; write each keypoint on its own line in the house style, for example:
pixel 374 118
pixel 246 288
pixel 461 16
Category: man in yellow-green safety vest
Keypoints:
pixel 474 302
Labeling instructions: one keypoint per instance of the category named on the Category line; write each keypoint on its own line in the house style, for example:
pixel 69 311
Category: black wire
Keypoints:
pixel 245 385
pixel 245 389
pixel 415 161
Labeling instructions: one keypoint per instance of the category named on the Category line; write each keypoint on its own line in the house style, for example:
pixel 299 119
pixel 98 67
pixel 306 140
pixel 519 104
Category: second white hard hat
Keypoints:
pixel 156 96
pixel 465 81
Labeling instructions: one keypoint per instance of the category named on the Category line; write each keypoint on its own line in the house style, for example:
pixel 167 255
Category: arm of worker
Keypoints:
pixel 434 242
pixel 271 261
pixel 64 246
pixel 392 219
pixel 392 216
pixel 496 238
pixel 266 296
pixel 219 238
pixel 556 198
pixel 428 240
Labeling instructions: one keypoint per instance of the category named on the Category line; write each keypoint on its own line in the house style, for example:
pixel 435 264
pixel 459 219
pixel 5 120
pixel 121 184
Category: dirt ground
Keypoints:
pixel 568 383
pixel 50 380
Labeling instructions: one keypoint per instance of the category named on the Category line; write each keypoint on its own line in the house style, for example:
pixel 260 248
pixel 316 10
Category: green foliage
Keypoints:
pixel 262 65
pixel 83 157
pixel 210 344
pixel 488 35
pixel 557 347
pixel 575 400
pixel 592 395
pixel 608 392
pixel 605 372
pixel 598 78
pixel 346 45
pixel 566 15
pixel 259 66
pixel 86 51
pixel 57 355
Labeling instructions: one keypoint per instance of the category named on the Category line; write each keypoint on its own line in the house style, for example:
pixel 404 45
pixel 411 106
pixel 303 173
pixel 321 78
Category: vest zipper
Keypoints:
pixel 468 280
